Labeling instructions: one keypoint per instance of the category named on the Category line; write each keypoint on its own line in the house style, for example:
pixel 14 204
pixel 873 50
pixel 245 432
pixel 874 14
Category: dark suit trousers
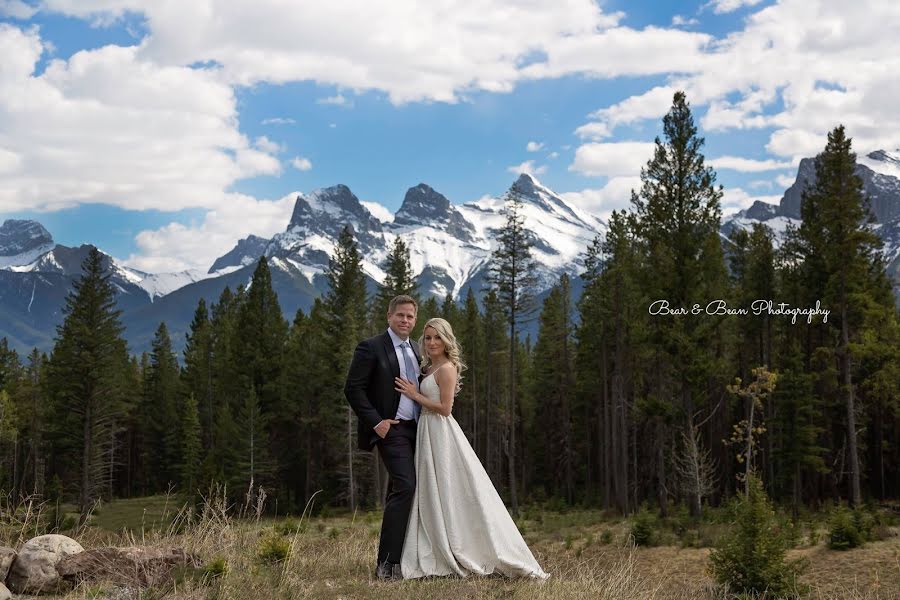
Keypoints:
pixel 397 451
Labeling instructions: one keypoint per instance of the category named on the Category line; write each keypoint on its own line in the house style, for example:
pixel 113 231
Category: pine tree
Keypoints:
pixel 346 305
pixel 677 221
pixel 846 258
pixel 191 447
pixel 553 386
pixel 469 404
pixel 299 404
pixel 496 385
pixel 161 447
pixel 87 368
pixel 198 369
pixel 512 273
pixel 398 280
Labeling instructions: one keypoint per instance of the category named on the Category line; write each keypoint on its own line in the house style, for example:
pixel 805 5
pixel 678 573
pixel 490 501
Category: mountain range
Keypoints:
pixel 450 246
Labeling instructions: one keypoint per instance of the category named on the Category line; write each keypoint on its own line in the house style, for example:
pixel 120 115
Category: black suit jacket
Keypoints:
pixel 370 385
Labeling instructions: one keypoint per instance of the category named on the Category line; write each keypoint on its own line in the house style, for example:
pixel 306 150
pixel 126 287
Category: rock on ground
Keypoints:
pixel 7 556
pixel 34 569
pixel 126 566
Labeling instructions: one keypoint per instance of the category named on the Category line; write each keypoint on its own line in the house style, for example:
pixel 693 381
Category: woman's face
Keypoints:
pixel 434 345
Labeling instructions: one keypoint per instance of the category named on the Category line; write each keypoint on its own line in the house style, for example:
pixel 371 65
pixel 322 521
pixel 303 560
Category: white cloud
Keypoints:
pixel 268 146
pixel 527 167
pixel 16 9
pixel 796 67
pixel 361 45
pixel 727 6
pixel 378 211
pixel 612 159
pixel 278 121
pixel 747 165
pixel 679 21
pixel 301 164
pixel 337 100
pixel 615 195
pixel 785 181
pixel 105 127
pixel 553 155
pixel 534 146
pixel 760 183
pixel 480 45
pixel 175 247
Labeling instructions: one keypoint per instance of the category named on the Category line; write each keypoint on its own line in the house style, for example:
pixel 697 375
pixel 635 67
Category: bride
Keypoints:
pixel 458 524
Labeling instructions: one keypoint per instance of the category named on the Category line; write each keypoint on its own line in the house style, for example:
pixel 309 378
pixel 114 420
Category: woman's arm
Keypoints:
pixel 446 380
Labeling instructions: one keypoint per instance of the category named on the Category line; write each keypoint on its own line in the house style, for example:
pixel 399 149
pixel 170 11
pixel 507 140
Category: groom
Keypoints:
pixel 388 419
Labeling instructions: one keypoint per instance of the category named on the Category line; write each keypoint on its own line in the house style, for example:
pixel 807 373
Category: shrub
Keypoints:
pixel 642 528
pixel 606 537
pixel 215 569
pixel 290 527
pixel 750 557
pixel 273 549
pixel 847 529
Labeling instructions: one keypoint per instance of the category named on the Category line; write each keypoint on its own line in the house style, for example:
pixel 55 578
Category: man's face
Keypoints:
pixel 403 319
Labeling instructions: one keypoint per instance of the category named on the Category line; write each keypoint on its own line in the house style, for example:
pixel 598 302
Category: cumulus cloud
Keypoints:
pixel 785 181
pixel 727 6
pixel 16 9
pixel 105 127
pixel 278 121
pixel 612 159
pixel 798 68
pixel 528 168
pixel 682 21
pixel 615 195
pixel 534 146
pixel 301 164
pixel 479 45
pixel 336 100
pixel 176 247
pixel 747 165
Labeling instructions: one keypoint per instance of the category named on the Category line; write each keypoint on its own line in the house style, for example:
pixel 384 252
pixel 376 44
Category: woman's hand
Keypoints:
pixel 407 388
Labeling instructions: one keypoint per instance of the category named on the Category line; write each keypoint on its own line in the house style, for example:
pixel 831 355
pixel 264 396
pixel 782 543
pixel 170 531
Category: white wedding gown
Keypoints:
pixel 458 524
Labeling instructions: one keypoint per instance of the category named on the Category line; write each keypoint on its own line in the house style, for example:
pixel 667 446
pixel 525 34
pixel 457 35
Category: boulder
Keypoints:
pixel 7 556
pixel 34 569
pixel 132 566
pixel 5 594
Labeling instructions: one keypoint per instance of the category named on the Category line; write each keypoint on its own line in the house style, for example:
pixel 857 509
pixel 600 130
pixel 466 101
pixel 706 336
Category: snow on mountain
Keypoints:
pixel 560 232
pixel 449 245
pixel 160 284
pixel 882 162
pixel 22 242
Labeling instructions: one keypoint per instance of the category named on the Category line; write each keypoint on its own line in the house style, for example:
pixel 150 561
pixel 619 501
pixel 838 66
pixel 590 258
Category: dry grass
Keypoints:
pixel 334 558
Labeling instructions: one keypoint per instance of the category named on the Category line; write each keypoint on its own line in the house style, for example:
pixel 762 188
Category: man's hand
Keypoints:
pixel 382 428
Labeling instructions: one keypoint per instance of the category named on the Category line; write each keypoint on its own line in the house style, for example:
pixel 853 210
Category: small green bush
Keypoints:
pixel 273 549
pixel 215 569
pixel 848 529
pixel 289 527
pixel 606 537
pixel 643 528
pixel 750 558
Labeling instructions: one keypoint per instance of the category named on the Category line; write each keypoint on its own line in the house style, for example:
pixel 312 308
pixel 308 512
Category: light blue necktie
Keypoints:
pixel 412 373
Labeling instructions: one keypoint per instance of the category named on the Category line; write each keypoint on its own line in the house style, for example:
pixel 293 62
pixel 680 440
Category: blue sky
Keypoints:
pixel 163 135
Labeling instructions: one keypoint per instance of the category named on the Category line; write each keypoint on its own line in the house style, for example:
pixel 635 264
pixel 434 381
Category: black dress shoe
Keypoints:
pixel 385 570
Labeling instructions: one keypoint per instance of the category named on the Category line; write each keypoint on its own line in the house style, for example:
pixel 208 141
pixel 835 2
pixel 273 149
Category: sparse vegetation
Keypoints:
pixel 304 559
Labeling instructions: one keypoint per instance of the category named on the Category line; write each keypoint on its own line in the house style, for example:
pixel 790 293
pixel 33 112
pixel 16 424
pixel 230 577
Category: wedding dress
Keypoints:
pixel 458 524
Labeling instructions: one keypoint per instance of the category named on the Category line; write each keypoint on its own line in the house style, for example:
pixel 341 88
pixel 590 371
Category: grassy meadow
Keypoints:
pixel 331 555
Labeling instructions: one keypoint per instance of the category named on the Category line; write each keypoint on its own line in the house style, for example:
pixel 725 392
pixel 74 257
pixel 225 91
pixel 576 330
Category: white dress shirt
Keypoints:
pixel 407 409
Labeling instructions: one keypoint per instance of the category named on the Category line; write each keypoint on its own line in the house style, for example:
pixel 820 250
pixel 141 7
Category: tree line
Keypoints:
pixel 608 406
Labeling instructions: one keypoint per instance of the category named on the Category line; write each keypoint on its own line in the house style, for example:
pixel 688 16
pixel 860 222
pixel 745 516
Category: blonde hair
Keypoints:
pixel 451 348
